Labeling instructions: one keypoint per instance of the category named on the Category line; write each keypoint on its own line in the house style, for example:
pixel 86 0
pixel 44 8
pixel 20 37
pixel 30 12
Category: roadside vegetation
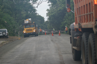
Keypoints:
pixel 14 12
pixel 58 15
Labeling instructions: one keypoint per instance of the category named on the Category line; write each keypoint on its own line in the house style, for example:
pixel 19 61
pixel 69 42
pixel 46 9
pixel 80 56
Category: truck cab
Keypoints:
pixel 30 29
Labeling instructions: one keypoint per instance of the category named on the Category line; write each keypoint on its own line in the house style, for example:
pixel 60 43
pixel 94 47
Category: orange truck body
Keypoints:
pixel 85 14
pixel 84 31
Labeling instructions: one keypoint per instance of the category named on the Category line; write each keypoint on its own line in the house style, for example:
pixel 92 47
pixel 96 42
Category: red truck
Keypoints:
pixel 84 31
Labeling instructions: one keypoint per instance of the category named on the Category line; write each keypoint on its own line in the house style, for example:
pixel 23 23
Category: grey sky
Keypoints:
pixel 41 10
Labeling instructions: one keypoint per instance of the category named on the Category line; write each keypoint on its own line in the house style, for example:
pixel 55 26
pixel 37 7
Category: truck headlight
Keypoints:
pixel 33 30
pixel 24 32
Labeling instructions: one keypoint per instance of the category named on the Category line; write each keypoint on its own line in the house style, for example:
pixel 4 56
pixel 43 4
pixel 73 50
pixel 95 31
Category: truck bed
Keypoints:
pixel 85 13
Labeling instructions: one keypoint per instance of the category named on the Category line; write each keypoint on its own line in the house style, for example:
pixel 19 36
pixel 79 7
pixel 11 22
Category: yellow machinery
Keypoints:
pixel 30 28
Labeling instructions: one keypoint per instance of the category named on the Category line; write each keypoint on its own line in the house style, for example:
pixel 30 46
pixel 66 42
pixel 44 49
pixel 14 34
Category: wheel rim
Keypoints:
pixel 83 53
pixel 90 54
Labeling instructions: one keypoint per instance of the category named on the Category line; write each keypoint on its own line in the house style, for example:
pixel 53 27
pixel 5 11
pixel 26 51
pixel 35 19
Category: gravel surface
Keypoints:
pixel 4 41
pixel 44 49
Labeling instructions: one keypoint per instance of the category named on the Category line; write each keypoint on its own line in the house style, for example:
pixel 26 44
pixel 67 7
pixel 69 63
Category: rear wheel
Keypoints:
pixel 76 55
pixel 91 49
pixel 36 34
pixel 84 46
pixel 24 36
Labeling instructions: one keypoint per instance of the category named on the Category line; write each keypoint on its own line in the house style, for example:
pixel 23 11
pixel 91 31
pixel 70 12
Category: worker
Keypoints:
pixel 66 29
pixel 53 29
pixel 40 31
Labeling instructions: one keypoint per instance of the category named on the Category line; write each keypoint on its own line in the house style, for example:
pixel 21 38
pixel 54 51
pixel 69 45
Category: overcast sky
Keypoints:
pixel 41 10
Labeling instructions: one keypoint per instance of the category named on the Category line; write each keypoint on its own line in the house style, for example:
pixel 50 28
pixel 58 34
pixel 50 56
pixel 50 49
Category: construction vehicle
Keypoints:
pixel 84 31
pixel 30 28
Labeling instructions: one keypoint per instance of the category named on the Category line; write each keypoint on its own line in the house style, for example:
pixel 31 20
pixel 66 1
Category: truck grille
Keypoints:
pixel 29 30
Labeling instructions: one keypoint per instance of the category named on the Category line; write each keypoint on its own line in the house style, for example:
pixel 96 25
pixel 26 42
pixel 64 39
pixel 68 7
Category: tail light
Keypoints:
pixel 95 1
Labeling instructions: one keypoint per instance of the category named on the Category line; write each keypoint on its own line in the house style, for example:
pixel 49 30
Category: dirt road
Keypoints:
pixel 44 49
pixel 4 40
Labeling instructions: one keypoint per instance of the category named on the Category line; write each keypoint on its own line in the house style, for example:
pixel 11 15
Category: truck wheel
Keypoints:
pixel 28 35
pixel 91 49
pixel 84 46
pixel 36 34
pixel 24 36
pixel 76 55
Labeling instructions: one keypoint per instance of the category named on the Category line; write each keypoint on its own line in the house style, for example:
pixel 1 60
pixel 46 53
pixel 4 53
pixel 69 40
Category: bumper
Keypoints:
pixel 3 35
pixel 33 33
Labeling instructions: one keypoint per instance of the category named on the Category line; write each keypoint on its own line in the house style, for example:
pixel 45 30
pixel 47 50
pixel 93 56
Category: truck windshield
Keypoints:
pixel 28 26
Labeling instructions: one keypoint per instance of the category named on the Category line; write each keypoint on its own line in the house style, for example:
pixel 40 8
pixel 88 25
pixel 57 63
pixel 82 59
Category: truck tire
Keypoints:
pixel 91 49
pixel 36 34
pixel 24 36
pixel 84 48
pixel 28 35
pixel 76 55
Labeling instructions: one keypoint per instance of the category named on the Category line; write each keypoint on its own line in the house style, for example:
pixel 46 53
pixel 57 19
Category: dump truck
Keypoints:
pixel 84 31
pixel 30 28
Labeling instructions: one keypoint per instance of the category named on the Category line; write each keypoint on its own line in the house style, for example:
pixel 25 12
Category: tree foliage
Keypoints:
pixel 58 15
pixel 14 12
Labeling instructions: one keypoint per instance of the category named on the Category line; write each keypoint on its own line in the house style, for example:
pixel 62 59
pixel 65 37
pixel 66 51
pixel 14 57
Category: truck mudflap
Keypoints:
pixel 78 43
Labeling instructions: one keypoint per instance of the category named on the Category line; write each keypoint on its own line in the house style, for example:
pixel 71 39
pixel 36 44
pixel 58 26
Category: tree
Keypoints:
pixel 58 15
pixel 14 12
